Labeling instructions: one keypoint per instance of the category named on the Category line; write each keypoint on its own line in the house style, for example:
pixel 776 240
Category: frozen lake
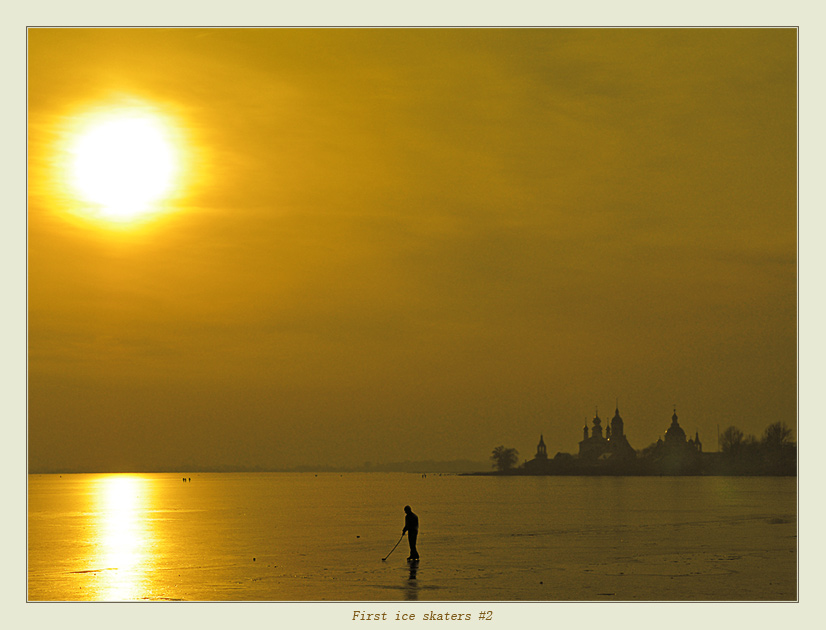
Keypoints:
pixel 307 537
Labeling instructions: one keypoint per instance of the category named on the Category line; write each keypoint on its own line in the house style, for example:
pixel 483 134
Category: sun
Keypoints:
pixel 125 164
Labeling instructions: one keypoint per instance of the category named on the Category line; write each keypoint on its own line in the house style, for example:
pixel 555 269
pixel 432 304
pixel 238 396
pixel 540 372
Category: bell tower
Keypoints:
pixel 617 427
pixel 541 450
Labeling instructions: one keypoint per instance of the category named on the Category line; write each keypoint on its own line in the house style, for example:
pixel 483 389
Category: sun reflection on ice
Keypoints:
pixel 123 537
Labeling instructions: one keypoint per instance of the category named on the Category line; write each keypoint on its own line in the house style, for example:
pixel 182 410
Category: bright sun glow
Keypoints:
pixel 123 536
pixel 125 164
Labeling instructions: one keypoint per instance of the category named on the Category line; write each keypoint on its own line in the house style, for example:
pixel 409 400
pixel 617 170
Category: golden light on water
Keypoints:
pixel 123 537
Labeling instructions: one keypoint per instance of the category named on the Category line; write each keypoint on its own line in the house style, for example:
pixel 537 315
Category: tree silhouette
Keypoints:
pixel 779 452
pixel 504 458
pixel 731 440
pixel 776 435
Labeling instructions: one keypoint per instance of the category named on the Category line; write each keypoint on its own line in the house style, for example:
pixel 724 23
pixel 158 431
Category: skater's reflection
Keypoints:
pixel 412 589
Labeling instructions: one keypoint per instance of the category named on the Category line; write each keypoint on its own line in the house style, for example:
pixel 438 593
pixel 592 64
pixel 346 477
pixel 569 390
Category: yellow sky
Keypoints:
pixel 398 245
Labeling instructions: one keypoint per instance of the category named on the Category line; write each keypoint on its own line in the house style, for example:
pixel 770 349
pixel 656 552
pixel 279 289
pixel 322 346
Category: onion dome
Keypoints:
pixel 675 432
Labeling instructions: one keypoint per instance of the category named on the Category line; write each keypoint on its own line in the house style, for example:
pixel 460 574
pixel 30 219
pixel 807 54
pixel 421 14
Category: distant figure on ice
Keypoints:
pixel 411 526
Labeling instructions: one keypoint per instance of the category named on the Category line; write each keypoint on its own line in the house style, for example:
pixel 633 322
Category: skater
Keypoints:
pixel 411 526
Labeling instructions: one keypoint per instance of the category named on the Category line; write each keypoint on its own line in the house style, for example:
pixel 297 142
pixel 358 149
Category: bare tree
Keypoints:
pixel 776 435
pixel 731 440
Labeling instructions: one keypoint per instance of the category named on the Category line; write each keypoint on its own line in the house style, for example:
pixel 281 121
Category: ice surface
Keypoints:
pixel 307 537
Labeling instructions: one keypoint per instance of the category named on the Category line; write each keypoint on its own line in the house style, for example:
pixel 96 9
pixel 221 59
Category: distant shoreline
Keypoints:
pixel 515 473
pixel 453 467
pixel 520 473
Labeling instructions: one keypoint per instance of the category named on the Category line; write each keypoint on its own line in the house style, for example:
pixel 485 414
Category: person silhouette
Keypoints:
pixel 411 526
